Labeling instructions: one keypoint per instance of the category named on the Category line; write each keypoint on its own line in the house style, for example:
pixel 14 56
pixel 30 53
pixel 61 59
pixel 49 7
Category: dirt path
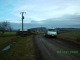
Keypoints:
pixel 56 49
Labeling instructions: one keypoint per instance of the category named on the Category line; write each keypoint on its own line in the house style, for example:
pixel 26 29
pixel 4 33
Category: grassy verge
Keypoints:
pixel 73 36
pixel 4 41
pixel 23 49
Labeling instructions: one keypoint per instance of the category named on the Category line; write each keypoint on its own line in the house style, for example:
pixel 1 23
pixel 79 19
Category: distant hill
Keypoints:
pixel 40 29
pixel 67 29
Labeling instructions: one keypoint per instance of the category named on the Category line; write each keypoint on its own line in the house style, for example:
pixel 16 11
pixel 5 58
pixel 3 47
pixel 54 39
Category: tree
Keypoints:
pixel 5 26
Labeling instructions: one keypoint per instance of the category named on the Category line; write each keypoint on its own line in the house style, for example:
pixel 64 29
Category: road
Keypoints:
pixel 57 49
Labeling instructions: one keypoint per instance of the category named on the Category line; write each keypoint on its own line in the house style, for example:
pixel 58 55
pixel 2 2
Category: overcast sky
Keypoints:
pixel 48 13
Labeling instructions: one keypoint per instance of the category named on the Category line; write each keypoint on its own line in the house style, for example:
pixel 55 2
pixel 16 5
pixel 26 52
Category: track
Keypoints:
pixel 57 49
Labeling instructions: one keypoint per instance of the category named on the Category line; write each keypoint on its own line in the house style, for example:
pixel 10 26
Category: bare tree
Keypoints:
pixel 5 26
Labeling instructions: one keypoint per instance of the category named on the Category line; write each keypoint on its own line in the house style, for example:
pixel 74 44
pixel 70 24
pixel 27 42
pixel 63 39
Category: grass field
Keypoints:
pixel 6 34
pixel 73 36
pixel 22 49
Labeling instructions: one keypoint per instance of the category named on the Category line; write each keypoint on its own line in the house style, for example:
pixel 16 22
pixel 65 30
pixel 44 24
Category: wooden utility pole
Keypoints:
pixel 41 28
pixel 22 19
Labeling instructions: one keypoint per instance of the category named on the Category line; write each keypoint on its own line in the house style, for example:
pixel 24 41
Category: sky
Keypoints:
pixel 47 13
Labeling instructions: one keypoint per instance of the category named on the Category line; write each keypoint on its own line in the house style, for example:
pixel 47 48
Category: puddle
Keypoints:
pixel 7 47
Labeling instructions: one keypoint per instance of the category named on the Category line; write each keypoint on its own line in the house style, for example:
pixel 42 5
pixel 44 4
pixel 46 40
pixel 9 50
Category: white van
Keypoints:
pixel 51 32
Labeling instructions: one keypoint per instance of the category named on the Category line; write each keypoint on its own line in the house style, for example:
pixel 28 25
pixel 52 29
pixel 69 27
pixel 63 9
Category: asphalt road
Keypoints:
pixel 57 49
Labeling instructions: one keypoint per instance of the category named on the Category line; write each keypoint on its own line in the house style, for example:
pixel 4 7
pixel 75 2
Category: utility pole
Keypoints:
pixel 22 19
pixel 41 28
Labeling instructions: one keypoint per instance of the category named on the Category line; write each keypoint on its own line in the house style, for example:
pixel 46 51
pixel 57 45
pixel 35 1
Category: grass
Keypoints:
pixel 6 34
pixel 6 39
pixel 73 36
pixel 23 49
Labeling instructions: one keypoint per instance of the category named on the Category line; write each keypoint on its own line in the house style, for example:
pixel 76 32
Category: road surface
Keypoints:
pixel 57 49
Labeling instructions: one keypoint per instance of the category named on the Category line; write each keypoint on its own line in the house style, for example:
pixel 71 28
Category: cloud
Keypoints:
pixel 45 9
pixel 40 11
pixel 64 21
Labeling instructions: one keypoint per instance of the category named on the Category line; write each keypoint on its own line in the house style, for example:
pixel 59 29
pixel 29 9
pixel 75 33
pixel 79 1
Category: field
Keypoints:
pixel 21 48
pixel 7 34
pixel 73 36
